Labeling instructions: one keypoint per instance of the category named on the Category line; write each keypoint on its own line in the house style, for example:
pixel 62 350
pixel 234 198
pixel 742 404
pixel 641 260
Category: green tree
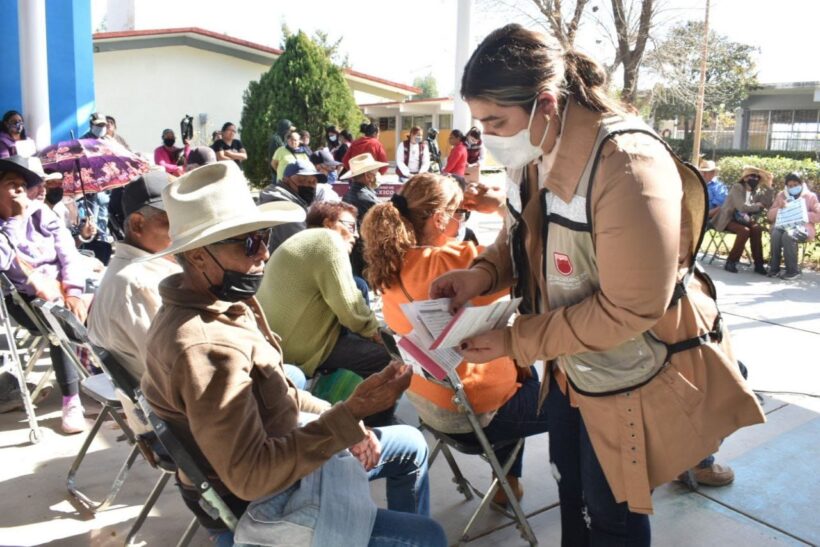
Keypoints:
pixel 730 73
pixel 428 86
pixel 303 86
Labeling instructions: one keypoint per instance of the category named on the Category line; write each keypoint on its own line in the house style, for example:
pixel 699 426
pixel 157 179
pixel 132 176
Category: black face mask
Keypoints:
pixel 54 195
pixel 753 184
pixel 307 193
pixel 169 142
pixel 235 285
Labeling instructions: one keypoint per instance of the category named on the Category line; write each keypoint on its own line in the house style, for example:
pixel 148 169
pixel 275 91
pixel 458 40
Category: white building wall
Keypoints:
pixel 148 90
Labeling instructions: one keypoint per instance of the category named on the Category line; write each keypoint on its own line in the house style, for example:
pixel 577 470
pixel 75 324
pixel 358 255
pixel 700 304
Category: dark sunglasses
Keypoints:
pixel 252 242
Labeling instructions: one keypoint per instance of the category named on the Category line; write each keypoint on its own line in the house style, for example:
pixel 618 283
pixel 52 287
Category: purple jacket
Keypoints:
pixel 43 242
pixel 7 145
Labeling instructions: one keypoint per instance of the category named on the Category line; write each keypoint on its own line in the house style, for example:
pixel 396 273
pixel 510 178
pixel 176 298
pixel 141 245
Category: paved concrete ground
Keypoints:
pixel 774 500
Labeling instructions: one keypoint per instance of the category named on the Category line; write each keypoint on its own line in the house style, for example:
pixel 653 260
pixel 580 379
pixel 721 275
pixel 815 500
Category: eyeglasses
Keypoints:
pixel 351 226
pixel 252 242
pixel 462 214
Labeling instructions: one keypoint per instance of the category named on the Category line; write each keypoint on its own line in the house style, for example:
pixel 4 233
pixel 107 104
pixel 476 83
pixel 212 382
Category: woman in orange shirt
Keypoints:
pixel 410 241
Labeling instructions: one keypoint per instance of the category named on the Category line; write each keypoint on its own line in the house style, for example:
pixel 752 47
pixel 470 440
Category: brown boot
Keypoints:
pixel 714 475
pixel 500 497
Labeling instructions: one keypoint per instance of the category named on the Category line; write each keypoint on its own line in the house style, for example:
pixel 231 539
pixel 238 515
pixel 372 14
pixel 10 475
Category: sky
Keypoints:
pixel 400 40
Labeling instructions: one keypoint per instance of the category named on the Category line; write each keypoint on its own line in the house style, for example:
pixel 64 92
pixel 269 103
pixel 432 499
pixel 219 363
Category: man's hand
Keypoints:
pixel 44 287
pixel 368 451
pixel 77 306
pixel 380 391
pixel 484 347
pixel 461 286
pixel 483 198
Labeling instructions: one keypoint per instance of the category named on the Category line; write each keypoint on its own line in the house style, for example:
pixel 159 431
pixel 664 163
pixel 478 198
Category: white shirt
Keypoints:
pixel 125 303
pixel 413 165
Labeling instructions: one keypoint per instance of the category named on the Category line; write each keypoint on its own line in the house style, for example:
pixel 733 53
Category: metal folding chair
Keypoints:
pixel 714 241
pixel 486 451
pixel 71 334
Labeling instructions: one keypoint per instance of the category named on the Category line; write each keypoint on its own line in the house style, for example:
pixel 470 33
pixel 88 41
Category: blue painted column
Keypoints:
pixel 10 96
pixel 70 67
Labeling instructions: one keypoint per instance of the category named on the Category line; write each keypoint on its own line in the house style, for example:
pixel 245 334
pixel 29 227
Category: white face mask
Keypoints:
pixel 462 230
pixel 517 150
pixel 98 131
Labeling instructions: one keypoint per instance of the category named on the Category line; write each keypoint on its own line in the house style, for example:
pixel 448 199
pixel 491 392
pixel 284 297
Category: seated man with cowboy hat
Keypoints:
pixel 364 179
pixel 214 372
pixel 752 195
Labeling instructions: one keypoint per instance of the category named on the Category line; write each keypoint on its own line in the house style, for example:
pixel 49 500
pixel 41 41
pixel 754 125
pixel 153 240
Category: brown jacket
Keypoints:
pixel 736 201
pixel 214 373
pixel 645 437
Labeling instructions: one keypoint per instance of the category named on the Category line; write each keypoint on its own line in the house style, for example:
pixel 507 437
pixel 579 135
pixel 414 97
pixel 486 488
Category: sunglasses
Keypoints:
pixel 252 242
pixel 351 226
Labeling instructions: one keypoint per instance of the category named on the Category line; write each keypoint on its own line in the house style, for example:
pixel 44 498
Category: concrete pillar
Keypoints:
pixel 462 119
pixel 70 67
pixel 10 97
pixel 34 70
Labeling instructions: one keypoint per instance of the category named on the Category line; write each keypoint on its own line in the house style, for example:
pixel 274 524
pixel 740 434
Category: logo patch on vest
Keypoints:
pixel 562 263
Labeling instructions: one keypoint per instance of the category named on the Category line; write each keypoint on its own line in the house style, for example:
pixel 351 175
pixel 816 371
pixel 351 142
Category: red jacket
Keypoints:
pixel 365 145
pixel 457 160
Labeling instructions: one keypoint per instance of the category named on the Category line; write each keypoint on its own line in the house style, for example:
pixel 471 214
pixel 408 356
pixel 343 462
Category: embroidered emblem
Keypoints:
pixel 562 263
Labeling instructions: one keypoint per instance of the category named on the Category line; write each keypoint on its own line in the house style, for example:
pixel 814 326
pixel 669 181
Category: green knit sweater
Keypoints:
pixel 308 295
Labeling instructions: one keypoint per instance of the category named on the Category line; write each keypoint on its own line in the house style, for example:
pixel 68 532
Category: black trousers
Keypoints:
pixel 67 376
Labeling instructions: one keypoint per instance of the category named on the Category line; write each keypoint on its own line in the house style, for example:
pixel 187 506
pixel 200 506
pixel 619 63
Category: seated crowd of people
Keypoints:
pixel 221 308
pixel 747 206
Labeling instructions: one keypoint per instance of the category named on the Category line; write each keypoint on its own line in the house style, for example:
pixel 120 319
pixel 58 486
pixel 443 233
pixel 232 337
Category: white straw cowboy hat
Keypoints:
pixel 362 164
pixel 213 203
pixel 707 165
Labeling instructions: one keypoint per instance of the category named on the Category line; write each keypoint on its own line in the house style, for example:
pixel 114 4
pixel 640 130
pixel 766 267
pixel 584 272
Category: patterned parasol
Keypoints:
pixel 92 165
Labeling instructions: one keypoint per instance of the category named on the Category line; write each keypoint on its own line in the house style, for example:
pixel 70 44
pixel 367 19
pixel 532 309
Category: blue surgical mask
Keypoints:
pixel 795 191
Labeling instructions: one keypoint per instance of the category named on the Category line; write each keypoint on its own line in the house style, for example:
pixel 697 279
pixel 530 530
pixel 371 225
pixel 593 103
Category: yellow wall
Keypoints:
pixel 388 140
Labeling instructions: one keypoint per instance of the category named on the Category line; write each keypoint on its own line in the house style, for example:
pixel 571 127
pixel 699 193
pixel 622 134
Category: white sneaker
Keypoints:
pixel 73 418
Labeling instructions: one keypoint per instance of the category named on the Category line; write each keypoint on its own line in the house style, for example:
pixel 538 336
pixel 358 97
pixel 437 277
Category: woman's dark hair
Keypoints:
pixel 9 115
pixel 226 125
pixel 369 129
pixel 512 65
pixel 346 135
pixel 304 134
pixel 327 210
pixel 457 134
pixel 474 132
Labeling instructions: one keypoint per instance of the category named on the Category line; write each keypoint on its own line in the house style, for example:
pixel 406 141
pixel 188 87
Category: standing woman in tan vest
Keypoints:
pixel 602 226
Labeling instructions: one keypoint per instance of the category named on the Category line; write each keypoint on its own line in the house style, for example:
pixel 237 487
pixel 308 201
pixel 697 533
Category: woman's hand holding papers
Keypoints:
pixel 483 348
pixel 460 286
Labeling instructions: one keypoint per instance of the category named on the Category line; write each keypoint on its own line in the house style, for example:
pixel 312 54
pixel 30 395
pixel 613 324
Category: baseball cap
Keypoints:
pixel 98 119
pixel 324 156
pixel 146 190
pixel 305 168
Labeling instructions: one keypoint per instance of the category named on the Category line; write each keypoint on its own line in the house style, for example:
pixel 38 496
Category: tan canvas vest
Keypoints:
pixel 571 273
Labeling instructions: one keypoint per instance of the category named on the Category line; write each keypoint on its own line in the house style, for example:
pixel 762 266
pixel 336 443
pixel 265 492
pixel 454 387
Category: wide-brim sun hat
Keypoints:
pixel 362 163
pixel 213 203
pixel 765 176
pixel 707 166
pixel 30 168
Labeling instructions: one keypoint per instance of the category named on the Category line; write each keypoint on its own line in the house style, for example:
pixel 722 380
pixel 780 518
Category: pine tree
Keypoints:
pixel 303 86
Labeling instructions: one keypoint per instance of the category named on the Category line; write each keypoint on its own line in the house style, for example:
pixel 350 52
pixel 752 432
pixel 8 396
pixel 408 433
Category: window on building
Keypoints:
pixel 408 122
pixel 784 130
pixel 387 124
pixel 445 121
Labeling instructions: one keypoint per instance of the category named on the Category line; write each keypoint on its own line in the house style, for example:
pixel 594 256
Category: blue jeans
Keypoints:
pixel 393 529
pixel 403 464
pixel 519 417
pixel 296 376
pixel 589 513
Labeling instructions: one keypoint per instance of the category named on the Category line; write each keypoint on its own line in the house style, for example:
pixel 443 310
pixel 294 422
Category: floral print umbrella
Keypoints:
pixel 92 165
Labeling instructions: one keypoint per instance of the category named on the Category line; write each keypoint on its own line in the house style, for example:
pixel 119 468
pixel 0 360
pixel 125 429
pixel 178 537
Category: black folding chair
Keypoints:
pixel 209 499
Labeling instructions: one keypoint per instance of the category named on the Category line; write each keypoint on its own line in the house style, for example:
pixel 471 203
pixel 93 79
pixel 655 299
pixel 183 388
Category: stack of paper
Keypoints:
pixel 795 212
pixel 436 332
